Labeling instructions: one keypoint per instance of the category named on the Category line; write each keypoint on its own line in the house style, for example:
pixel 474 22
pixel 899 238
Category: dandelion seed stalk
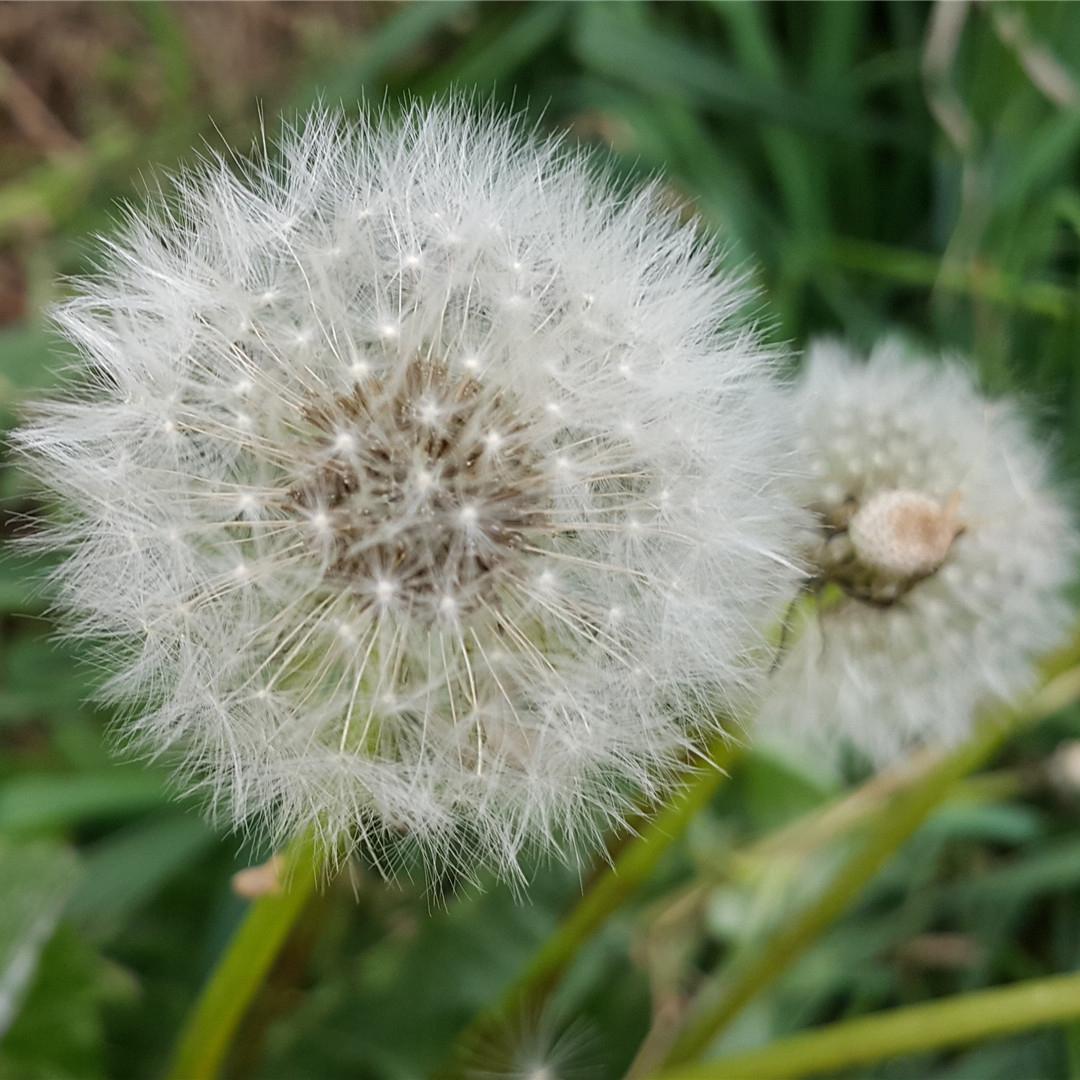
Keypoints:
pixel 722 1002
pixel 954 1021
pixel 240 972
pixel 613 886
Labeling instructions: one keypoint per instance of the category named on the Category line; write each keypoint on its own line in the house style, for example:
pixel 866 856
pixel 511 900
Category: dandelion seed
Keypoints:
pixel 453 629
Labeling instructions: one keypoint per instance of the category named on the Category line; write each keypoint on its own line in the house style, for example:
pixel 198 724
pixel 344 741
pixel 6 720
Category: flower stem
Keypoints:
pixel 242 967
pixel 725 1000
pixel 965 1018
pixel 608 891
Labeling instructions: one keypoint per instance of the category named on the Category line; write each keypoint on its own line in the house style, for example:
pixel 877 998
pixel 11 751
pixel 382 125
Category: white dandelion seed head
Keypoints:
pixel 437 481
pixel 941 531
pixel 535 1046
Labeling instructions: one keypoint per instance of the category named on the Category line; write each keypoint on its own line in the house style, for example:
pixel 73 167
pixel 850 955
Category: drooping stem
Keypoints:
pixel 721 1004
pixel 243 966
pixel 965 1018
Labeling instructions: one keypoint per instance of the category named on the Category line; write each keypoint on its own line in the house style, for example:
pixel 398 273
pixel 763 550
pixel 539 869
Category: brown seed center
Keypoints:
pixel 422 483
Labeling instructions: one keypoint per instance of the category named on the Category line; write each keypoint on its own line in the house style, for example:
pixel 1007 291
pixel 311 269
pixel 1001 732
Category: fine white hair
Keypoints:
pixel 422 484
pixel 897 663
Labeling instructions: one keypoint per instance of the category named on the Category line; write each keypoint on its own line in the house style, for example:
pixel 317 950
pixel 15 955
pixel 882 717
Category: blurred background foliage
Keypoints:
pixel 869 166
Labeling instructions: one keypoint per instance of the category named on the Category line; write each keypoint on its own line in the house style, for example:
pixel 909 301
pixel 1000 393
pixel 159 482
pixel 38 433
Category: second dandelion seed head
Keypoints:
pixel 939 559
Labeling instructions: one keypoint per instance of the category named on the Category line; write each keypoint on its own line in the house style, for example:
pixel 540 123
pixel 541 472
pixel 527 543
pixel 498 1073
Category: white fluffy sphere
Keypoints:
pixel 426 485
pixel 940 529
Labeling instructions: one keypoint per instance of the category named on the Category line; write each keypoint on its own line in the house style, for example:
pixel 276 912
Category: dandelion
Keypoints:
pixel 536 1046
pixel 940 557
pixel 423 485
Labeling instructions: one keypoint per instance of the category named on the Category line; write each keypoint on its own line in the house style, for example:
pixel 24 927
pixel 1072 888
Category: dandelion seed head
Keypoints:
pixel 535 1047
pixel 420 524
pixel 939 528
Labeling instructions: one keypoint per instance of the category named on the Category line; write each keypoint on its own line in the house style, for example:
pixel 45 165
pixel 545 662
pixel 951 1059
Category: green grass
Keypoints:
pixel 864 188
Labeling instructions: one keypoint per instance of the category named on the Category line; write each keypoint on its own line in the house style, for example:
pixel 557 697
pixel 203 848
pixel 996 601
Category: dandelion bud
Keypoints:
pixel 944 548
pixel 422 487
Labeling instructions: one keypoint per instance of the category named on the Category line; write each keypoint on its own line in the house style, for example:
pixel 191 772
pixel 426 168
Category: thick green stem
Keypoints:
pixel 244 965
pixel 726 999
pixel 966 1018
pixel 608 891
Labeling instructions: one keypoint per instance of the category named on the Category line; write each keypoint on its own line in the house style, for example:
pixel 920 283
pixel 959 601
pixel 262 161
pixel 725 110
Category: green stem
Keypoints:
pixel 965 1018
pixel 608 891
pixel 726 999
pixel 242 968
pixel 613 885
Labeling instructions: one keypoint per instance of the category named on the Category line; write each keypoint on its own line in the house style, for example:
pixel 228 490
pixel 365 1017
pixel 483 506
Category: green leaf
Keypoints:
pixel 778 787
pixel 373 54
pixel 125 870
pixel 29 361
pixel 494 53
pixel 1052 867
pixel 1048 153
pixel 35 881
pixel 21 582
pixel 992 823
pixel 659 61
pixel 40 679
pixel 34 802
pixel 60 1033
